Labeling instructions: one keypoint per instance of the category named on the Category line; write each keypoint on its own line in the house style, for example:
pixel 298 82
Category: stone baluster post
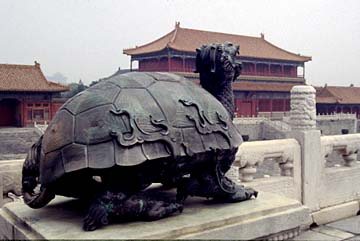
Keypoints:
pixel 303 125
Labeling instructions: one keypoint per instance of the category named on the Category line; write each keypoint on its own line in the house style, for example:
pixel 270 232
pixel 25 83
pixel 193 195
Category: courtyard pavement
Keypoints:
pixel 345 229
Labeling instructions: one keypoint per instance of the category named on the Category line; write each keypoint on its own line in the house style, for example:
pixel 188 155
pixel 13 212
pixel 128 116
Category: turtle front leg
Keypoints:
pixel 239 194
pixel 210 185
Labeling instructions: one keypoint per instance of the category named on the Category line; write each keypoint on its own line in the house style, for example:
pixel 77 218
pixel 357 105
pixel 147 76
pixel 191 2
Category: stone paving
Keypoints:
pixel 345 229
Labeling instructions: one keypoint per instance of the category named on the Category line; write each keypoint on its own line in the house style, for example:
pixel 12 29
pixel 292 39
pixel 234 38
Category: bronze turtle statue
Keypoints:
pixel 117 137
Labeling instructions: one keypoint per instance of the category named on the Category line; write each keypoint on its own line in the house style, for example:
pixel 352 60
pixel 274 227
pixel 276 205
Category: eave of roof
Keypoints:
pixel 187 40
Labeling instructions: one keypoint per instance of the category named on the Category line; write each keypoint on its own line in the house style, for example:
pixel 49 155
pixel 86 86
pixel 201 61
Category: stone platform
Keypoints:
pixel 269 215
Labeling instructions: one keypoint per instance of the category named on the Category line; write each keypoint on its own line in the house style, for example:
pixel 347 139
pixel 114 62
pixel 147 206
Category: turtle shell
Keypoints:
pixel 131 118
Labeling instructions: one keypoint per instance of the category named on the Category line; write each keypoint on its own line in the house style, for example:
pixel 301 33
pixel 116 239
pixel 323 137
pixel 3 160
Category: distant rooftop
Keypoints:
pixel 14 77
pixel 338 95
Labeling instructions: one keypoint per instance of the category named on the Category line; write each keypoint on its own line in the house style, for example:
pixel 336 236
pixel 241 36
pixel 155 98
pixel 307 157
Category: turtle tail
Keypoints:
pixel 30 179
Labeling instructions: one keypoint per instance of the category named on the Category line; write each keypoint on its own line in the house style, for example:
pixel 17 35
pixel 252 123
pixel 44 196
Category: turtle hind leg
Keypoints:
pixel 96 218
pixel 102 206
pixel 211 182
pixel 117 205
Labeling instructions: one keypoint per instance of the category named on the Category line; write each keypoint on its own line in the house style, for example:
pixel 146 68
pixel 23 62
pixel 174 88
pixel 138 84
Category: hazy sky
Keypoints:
pixel 84 39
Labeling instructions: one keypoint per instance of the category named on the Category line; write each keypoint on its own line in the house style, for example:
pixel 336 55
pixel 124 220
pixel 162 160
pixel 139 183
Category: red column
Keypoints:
pixel 284 105
pixel 169 64
pixel 256 107
pixel 24 114
pixel 183 61
pixel 50 109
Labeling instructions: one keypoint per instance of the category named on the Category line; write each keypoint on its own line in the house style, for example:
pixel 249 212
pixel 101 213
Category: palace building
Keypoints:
pixel 338 99
pixel 269 72
pixel 26 96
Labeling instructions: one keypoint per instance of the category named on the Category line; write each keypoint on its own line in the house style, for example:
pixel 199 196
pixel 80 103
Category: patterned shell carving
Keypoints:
pixel 131 118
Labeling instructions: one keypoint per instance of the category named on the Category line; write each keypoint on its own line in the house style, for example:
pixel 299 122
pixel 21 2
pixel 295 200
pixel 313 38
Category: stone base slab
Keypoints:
pixel 265 216
pixel 337 212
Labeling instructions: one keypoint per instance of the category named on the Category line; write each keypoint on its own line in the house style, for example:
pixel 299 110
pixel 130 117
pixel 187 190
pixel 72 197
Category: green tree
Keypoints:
pixel 74 89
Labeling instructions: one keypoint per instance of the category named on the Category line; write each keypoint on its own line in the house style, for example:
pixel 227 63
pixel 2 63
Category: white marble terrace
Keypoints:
pixel 301 160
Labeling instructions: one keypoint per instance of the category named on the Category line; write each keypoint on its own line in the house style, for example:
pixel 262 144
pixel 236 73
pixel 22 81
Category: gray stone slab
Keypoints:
pixel 311 235
pixel 355 238
pixel 351 225
pixel 333 232
pixel 335 213
pixel 266 215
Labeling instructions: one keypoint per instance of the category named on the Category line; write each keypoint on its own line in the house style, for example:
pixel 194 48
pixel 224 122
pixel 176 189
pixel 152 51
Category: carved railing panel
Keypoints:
pixel 346 145
pixel 252 154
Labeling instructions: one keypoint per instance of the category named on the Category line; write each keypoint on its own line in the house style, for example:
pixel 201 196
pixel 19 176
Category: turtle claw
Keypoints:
pixel 251 192
pixel 242 194
pixel 96 218
pixel 180 207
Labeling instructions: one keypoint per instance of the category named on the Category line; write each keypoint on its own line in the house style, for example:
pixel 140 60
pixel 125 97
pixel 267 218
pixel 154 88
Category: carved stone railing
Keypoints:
pixel 336 116
pixel 252 154
pixel 286 152
pixel 280 125
pixel 249 120
pixel 346 145
pixel 340 183
pixel 41 128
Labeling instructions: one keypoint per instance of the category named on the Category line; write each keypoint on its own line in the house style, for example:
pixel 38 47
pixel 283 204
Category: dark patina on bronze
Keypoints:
pixel 110 142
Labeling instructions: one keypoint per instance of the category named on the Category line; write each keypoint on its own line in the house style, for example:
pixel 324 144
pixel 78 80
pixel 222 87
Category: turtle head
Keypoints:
pixel 218 68
pixel 219 62
pixel 229 64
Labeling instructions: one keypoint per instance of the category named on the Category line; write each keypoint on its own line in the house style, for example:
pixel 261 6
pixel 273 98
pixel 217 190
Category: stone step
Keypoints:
pixel 15 141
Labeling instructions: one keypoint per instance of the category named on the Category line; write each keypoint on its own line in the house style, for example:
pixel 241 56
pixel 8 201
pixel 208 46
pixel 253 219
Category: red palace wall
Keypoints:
pixel 39 111
pixel 251 107
pixel 189 65
pixel 178 64
pixel 54 108
pixel 161 64
pixel 10 110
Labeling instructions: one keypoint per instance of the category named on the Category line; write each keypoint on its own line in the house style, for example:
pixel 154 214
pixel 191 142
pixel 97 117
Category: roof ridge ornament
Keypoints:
pixel 177 26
